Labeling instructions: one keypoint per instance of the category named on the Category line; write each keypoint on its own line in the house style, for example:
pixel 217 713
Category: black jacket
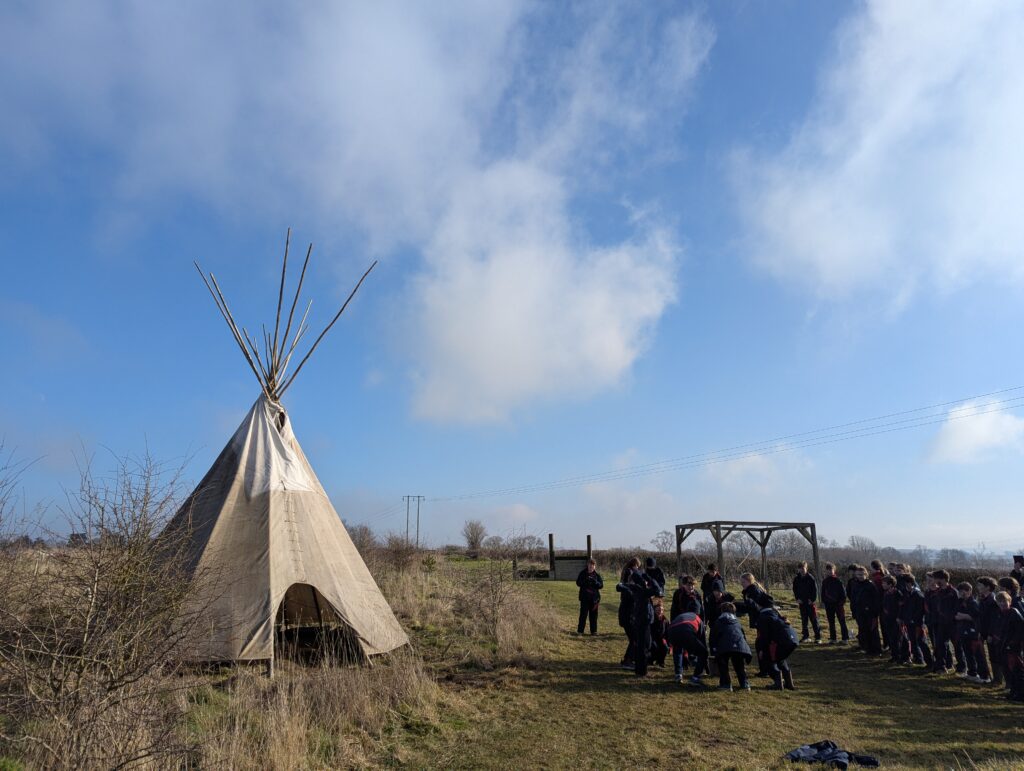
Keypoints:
pixel 864 599
pixel 805 588
pixel 833 593
pixel 911 610
pixel 771 628
pixel 684 601
pixel 640 589
pixel 1009 630
pixel 946 603
pixel 659 629
pixel 657 574
pixel 705 584
pixel 754 598
pixel 590 585
pixel 968 630
pixel 685 629
pixel 891 602
pixel 727 636
pixel 988 616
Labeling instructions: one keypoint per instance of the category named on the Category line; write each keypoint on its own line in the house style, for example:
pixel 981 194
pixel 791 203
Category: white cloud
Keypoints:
pixel 463 130
pixel 909 170
pixel 762 472
pixel 975 431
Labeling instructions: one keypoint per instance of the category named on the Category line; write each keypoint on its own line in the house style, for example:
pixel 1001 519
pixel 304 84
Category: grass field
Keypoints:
pixel 573 706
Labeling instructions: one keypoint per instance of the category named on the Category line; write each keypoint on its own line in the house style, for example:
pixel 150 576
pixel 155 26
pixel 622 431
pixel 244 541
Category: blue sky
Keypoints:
pixel 608 236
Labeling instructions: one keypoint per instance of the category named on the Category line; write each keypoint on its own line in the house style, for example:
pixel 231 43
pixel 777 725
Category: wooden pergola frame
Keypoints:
pixel 760 532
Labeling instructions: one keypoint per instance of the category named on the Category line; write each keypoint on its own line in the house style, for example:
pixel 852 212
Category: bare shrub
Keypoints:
pixel 88 635
pixel 320 718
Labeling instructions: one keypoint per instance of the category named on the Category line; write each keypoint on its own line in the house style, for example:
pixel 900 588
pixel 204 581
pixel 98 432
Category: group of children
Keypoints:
pixel 703 629
pixel 944 627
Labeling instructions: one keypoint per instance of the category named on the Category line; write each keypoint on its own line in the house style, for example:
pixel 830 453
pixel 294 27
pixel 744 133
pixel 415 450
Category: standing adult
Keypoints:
pixel 590 583
pixel 833 595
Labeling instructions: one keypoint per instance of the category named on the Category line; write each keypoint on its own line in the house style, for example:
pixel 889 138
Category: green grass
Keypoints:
pixel 575 707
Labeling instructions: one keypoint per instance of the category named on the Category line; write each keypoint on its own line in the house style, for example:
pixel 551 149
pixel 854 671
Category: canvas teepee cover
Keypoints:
pixel 260 523
pixel 259 530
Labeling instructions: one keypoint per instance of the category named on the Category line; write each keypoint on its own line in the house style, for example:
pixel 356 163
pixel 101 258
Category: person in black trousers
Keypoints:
pixel 866 605
pixel 780 641
pixel 686 636
pixel 946 603
pixel 833 595
pixel 805 592
pixel 640 589
pixel 590 584
pixel 730 646
pixel 911 618
pixel 626 611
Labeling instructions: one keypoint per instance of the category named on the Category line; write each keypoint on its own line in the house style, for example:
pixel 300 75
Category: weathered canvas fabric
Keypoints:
pixel 259 523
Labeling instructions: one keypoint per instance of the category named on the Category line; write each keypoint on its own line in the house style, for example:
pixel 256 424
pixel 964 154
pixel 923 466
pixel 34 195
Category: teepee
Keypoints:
pixel 263 532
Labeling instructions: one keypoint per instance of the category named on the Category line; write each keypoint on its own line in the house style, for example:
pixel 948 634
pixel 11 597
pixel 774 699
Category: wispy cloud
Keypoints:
pixel 52 339
pixel 909 171
pixel 462 132
pixel 977 431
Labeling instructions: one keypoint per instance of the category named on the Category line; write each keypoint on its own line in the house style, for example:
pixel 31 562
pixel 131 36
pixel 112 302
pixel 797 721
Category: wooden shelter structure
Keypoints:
pixel 760 532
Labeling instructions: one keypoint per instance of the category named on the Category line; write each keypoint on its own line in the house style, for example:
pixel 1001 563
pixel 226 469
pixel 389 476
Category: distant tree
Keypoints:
pixel 920 556
pixel 954 558
pixel 863 548
pixel 788 544
pixel 363 537
pixel 664 541
pixel 493 543
pixel 474 532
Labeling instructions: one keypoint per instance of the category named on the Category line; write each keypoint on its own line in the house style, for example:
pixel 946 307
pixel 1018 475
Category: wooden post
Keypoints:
pixel 679 552
pixel 764 555
pixel 590 549
pixel 814 550
pixel 721 553
pixel 551 555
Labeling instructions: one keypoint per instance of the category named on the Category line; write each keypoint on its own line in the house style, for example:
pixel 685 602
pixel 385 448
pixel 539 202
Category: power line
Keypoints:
pixel 867 427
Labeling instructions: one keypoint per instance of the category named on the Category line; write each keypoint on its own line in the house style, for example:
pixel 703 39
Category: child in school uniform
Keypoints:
pixel 805 592
pixel 686 635
pixel 987 588
pixel 833 596
pixel 968 616
pixel 754 598
pixel 780 641
pixel 659 631
pixel 911 618
pixel 707 580
pixel 866 604
pixel 1009 635
pixel 685 599
pixel 730 646
pixel 946 601
pixel 891 601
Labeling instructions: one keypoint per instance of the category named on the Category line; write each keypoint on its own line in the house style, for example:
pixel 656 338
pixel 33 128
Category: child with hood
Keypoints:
pixel 730 645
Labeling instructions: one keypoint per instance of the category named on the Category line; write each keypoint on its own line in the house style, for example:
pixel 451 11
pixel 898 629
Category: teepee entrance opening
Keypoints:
pixel 307 629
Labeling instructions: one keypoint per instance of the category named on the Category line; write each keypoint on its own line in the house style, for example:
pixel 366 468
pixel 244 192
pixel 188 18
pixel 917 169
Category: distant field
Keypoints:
pixel 577 708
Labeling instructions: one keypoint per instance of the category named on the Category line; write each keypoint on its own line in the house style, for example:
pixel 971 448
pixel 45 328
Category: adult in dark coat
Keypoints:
pixel 833 596
pixel 640 588
pixel 805 592
pixel 590 583
pixel 780 641
pixel 730 645
pixel 686 634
